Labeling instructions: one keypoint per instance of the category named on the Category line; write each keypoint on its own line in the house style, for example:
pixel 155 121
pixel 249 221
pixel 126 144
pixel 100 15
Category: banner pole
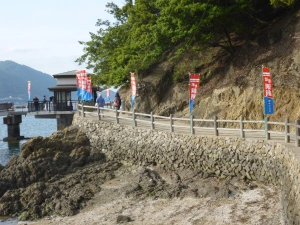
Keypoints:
pixel 265 116
pixel 190 93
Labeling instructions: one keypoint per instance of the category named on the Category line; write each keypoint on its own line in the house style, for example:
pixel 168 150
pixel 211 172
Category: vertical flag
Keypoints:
pixel 89 89
pixel 108 94
pixel 268 92
pixel 78 82
pixel 194 84
pixel 28 83
pixel 133 89
pixel 84 86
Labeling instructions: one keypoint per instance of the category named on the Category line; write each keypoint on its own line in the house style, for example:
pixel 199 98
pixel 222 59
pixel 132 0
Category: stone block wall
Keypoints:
pixel 264 161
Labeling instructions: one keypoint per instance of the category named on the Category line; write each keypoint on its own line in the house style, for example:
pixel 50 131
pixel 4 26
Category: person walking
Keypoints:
pixel 51 99
pixel 45 103
pixel 36 104
pixel 101 102
pixel 117 101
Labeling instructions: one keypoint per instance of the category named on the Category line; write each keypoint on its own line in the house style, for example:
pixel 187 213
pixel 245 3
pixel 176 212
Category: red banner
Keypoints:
pixel 29 87
pixel 78 79
pixel 194 84
pixel 89 84
pixel 133 85
pixel 268 85
pixel 83 80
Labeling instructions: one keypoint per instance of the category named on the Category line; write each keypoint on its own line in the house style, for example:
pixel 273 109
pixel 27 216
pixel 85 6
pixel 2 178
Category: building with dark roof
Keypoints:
pixel 66 89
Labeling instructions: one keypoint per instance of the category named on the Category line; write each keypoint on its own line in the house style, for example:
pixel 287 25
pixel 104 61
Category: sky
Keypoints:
pixel 44 34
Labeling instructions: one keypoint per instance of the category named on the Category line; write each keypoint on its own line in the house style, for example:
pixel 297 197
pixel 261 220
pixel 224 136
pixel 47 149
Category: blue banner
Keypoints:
pixel 132 101
pixel 79 95
pixel 86 96
pixel 191 105
pixel 268 105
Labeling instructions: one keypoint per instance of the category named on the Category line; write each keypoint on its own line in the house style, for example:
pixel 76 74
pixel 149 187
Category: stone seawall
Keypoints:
pixel 264 161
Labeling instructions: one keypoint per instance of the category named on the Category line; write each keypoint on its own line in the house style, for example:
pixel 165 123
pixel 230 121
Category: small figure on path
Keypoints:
pixel 36 104
pixel 45 103
pixel 51 99
pixel 101 102
pixel 117 101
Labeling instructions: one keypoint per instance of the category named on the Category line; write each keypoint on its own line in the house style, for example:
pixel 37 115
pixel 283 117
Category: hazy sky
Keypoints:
pixel 44 34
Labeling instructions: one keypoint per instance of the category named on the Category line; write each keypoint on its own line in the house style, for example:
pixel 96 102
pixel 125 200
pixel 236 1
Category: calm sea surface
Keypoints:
pixel 30 127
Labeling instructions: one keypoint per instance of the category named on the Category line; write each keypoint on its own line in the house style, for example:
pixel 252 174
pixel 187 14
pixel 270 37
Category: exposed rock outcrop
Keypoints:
pixel 52 175
pixel 232 86
pixel 62 174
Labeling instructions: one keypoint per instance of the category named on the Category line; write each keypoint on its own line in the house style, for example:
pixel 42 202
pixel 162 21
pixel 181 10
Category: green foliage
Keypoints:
pixel 145 32
pixel 286 2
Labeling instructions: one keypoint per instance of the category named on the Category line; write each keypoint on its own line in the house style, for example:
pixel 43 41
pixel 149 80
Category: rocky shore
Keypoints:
pixel 63 180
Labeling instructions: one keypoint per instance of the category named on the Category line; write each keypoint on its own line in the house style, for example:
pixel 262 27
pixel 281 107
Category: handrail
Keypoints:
pixel 199 126
pixel 6 106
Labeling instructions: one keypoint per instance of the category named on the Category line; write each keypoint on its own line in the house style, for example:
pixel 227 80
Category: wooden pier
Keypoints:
pixel 13 119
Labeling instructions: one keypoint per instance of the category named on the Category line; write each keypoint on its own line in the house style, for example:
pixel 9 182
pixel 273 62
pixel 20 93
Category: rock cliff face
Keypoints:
pixel 54 175
pixel 67 173
pixel 232 85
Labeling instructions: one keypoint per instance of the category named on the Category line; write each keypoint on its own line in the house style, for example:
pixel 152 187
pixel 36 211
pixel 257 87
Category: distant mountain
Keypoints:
pixel 13 83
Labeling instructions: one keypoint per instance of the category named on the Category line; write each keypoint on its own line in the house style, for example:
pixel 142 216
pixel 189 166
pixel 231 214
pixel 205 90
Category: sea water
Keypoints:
pixel 30 127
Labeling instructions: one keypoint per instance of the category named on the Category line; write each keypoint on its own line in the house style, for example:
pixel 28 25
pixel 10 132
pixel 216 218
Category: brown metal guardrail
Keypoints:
pixel 257 129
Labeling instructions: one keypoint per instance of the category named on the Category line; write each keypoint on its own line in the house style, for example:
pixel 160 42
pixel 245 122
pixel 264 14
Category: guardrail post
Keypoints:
pixel 297 122
pixel 242 127
pixel 117 116
pixel 152 121
pixel 268 136
pixel 216 126
pixel 133 118
pixel 171 123
pixel 98 112
pixel 192 124
pixel 82 108
pixel 287 131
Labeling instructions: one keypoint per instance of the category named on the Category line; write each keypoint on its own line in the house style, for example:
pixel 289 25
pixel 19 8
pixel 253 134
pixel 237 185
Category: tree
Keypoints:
pixel 145 31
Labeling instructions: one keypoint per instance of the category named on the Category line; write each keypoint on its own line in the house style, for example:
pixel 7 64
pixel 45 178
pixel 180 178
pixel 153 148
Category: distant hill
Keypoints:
pixel 13 83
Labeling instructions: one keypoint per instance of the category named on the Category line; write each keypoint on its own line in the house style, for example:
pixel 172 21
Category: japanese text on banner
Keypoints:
pixel 194 84
pixel 268 86
pixel 268 92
